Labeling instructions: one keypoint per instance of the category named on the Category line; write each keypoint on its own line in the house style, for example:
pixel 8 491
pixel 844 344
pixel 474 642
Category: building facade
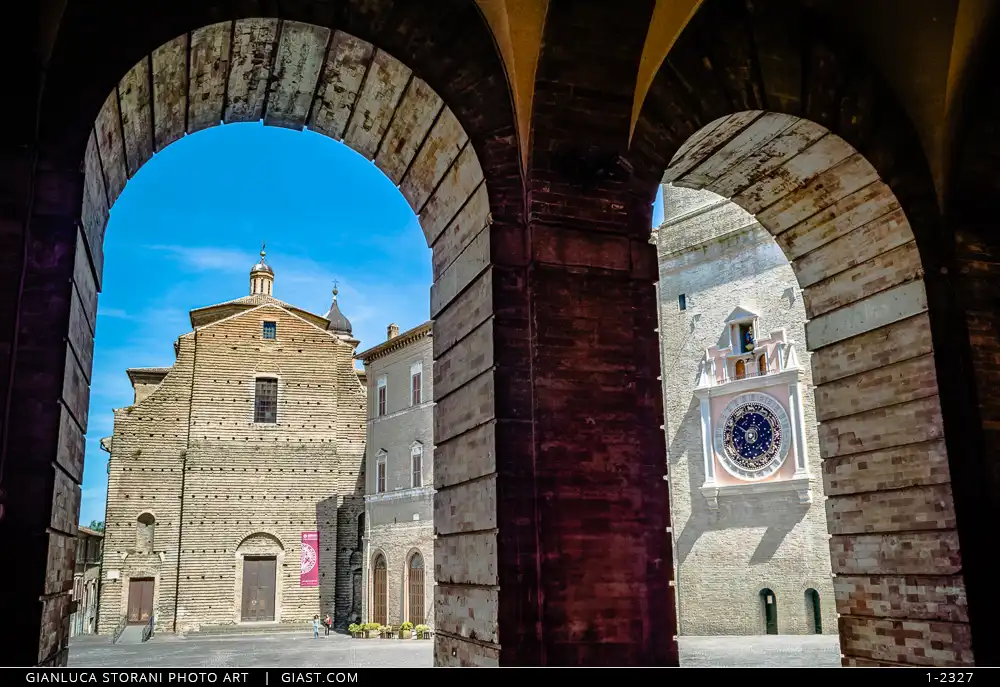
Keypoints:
pixel 747 507
pixel 236 476
pixel 86 581
pixel 398 573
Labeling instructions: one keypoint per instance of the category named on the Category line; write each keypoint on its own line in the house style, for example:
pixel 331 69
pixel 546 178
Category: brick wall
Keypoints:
pixel 720 259
pixel 220 486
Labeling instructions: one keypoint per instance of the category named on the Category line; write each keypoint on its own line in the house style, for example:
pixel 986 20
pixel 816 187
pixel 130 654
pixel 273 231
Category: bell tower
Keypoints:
pixel 261 276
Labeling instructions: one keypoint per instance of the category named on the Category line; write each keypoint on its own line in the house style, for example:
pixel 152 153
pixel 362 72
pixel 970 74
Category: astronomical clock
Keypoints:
pixel 752 436
pixel 753 433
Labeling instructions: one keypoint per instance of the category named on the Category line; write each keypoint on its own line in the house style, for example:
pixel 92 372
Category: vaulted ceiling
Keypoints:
pixel 923 50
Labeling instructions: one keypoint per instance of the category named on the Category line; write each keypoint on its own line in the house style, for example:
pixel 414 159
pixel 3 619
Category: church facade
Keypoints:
pixel 236 477
pixel 746 498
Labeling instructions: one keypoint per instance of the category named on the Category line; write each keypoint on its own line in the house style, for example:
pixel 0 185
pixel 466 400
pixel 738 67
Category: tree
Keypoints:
pixel 96 525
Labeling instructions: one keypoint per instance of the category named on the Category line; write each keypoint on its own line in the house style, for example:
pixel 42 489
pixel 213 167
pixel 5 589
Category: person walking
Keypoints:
pixel 315 627
pixel 327 625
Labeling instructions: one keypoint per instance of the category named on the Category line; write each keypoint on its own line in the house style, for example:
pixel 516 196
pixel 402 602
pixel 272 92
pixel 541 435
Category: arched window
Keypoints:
pixel 416 589
pixel 379 588
pixel 361 531
pixel 762 365
pixel 741 369
pixel 814 618
pixel 145 525
pixel 769 607
pixel 417 465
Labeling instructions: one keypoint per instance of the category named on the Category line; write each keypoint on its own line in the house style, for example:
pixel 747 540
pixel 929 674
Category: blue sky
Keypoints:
pixel 186 229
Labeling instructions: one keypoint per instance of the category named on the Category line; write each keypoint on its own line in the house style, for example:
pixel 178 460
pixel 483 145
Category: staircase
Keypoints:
pixel 132 634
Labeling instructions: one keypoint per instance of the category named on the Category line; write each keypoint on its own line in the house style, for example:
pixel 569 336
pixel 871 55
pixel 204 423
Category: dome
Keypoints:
pixel 338 323
pixel 261 266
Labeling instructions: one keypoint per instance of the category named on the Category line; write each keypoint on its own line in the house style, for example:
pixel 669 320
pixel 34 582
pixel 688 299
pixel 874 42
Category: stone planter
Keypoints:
pixel 371 634
pixel 405 634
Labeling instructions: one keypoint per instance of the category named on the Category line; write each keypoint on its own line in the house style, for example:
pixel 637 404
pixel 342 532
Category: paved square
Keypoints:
pixel 300 650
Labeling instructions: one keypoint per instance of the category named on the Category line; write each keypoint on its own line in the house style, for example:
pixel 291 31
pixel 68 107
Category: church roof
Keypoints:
pixel 213 313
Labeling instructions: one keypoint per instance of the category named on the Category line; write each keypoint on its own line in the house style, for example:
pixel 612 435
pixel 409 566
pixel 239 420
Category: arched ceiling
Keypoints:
pixel 921 49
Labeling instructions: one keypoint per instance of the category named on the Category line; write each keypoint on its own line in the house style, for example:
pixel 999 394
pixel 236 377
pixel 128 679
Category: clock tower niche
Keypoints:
pixel 752 421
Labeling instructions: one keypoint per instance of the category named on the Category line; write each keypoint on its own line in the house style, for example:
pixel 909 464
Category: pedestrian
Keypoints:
pixel 327 624
pixel 315 627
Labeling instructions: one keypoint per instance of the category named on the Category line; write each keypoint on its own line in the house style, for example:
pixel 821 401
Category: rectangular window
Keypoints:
pixel 382 393
pixel 417 461
pixel 416 384
pixel 270 330
pixel 265 403
pixel 682 302
pixel 380 477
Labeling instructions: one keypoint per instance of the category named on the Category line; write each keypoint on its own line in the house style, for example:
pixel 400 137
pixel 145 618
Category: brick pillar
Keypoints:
pixel 55 309
pixel 602 506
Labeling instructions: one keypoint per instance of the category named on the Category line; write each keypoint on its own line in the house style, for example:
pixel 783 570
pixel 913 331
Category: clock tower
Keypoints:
pixel 752 419
pixel 743 464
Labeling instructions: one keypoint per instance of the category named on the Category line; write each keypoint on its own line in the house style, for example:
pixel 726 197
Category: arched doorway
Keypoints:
pixel 814 617
pixel 769 611
pixel 380 589
pixel 415 589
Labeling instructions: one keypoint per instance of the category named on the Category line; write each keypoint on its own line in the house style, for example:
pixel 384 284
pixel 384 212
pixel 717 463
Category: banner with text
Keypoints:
pixel 309 576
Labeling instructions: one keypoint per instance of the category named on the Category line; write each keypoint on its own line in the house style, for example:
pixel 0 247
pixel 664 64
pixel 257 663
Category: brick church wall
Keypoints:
pixel 245 485
pixel 719 258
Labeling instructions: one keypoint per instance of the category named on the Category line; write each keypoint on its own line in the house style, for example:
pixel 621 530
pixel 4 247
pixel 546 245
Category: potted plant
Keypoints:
pixel 406 630
pixel 371 630
pixel 355 630
pixel 423 631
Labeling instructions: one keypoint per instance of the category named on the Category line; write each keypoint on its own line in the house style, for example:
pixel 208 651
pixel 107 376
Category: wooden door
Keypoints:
pixel 258 589
pixel 416 589
pixel 380 587
pixel 140 600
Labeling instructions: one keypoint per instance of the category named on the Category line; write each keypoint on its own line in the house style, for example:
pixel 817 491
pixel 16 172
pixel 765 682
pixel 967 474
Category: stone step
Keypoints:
pixel 132 634
pixel 249 628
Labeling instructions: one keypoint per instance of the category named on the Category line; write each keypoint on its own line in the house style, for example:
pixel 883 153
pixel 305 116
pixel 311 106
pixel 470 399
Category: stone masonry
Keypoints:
pixel 399 498
pixel 196 484
pixel 719 258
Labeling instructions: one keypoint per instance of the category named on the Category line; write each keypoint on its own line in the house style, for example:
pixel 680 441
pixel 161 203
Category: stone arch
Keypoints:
pixel 855 256
pixel 260 542
pixel 827 177
pixel 474 202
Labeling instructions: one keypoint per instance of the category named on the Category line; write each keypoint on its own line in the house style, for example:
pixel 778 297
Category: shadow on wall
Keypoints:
pixel 326 523
pixel 747 512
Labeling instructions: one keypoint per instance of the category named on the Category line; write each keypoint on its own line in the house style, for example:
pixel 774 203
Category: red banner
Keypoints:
pixel 309 575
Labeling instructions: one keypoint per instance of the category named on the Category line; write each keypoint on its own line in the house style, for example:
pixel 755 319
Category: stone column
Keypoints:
pixel 706 440
pixel 55 305
pixel 798 428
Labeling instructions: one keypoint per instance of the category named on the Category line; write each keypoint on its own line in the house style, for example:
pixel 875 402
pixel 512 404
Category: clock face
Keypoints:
pixel 752 436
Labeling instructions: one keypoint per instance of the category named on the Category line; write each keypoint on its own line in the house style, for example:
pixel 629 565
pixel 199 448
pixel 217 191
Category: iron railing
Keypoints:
pixel 122 624
pixel 147 631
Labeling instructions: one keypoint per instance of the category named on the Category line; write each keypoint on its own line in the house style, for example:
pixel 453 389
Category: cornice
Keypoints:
pixel 751 383
pixel 395 343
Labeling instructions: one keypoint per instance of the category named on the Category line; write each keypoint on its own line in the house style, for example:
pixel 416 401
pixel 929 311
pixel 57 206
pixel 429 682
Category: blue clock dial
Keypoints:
pixel 752 437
